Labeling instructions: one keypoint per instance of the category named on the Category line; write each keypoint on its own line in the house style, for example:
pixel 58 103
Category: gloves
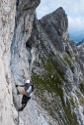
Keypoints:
pixel 16 85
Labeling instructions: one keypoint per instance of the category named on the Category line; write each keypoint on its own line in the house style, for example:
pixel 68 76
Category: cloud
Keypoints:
pixel 72 7
pixel 44 8
pixel 76 24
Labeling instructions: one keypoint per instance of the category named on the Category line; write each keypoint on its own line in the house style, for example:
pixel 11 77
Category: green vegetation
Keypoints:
pixel 72 102
pixel 80 97
pixel 61 58
pixel 81 86
pixel 51 81
pixel 70 116
pixel 69 60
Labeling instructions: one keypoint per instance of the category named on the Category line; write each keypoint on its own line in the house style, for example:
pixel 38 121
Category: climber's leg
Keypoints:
pixel 25 99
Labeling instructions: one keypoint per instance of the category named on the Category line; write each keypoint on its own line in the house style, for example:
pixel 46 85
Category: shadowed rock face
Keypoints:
pixel 55 25
pixel 56 21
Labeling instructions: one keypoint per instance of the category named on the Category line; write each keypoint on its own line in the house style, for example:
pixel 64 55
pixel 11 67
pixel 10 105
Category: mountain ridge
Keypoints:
pixel 79 43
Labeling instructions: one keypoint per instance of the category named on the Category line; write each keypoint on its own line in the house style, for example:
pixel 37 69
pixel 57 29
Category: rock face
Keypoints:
pixel 80 48
pixel 41 51
pixel 7 24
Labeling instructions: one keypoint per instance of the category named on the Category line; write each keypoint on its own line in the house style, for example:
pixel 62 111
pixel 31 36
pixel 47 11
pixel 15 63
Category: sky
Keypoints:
pixel 73 8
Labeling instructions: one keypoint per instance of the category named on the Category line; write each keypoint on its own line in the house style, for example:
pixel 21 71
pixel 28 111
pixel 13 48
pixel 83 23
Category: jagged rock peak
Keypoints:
pixel 57 19
pixel 59 10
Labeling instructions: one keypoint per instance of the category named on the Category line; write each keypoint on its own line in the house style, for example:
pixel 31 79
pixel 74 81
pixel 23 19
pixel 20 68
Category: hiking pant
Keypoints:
pixel 25 99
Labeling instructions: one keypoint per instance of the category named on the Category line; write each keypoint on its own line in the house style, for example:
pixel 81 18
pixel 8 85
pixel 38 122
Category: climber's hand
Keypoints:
pixel 16 85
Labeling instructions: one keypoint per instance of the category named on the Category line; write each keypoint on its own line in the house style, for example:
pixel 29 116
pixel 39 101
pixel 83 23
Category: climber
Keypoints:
pixel 28 86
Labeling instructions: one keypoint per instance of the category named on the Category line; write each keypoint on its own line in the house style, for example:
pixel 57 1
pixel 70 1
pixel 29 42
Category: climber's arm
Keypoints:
pixel 23 93
pixel 20 85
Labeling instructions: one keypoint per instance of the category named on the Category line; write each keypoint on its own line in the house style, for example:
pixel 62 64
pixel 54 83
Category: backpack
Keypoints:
pixel 32 86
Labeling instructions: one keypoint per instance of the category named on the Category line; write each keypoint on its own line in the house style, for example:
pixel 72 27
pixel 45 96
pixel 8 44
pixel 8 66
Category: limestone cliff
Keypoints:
pixel 7 24
pixel 39 50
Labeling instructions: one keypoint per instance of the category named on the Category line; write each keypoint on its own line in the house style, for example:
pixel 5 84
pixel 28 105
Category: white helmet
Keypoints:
pixel 27 81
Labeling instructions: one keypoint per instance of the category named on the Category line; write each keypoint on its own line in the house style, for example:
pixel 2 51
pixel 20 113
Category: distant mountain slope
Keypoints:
pixel 76 36
pixel 80 43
